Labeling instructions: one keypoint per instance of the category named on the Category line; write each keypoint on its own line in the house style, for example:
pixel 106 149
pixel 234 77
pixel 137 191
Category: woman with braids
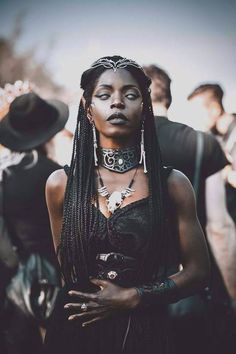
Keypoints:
pixel 120 223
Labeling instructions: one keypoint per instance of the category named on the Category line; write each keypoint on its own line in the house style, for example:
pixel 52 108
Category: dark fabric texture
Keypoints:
pixel 24 206
pixel 34 288
pixel 178 147
pixel 231 201
pixel 27 220
pixel 8 257
pixel 194 327
pixel 126 232
pixel 18 333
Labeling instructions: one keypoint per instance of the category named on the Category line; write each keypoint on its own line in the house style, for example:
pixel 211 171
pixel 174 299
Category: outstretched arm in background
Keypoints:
pixel 221 232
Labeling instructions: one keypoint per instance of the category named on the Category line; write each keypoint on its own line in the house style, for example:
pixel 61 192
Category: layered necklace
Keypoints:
pixel 117 160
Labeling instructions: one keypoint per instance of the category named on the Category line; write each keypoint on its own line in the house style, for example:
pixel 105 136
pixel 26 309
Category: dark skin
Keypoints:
pixel 119 92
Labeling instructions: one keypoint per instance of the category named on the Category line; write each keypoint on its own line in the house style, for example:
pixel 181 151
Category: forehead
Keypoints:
pixel 119 78
pixel 199 100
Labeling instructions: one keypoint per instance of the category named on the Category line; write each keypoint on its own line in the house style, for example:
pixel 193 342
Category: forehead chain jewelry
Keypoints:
pixel 119 64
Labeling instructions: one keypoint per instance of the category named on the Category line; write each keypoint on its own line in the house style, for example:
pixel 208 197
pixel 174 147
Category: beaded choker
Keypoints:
pixel 119 160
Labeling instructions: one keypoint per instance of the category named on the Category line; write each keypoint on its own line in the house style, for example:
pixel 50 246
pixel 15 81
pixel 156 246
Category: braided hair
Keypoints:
pixel 79 221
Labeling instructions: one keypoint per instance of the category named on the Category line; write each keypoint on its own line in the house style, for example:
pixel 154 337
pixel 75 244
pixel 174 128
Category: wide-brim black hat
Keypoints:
pixel 31 122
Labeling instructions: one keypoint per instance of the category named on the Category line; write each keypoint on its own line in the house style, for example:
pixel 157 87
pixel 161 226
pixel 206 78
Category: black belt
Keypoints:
pixel 116 267
pixel 116 259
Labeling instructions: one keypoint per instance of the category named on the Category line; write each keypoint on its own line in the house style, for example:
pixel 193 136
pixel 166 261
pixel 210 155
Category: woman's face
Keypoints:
pixel 116 107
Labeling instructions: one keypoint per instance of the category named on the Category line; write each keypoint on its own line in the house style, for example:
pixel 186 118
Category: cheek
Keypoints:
pixel 100 108
pixel 100 120
pixel 99 113
pixel 138 114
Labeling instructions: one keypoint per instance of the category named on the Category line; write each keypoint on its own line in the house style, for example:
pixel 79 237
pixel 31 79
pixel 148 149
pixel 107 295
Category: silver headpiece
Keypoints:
pixel 114 65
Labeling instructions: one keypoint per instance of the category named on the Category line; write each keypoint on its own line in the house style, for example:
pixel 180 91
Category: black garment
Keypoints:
pixel 195 333
pixel 231 201
pixel 24 204
pixel 178 147
pixel 141 331
pixel 27 219
pixel 18 334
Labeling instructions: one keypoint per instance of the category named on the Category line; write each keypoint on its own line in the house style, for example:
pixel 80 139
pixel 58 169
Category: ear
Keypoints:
pixel 90 113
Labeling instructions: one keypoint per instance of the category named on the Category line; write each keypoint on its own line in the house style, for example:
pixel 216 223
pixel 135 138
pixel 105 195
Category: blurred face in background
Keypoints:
pixel 158 89
pixel 59 148
pixel 205 111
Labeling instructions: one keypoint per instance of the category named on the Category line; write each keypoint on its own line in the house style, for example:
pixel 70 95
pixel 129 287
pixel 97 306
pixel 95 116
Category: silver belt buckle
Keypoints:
pixel 103 256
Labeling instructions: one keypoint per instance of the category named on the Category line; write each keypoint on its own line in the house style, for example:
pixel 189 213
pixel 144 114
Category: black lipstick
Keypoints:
pixel 117 116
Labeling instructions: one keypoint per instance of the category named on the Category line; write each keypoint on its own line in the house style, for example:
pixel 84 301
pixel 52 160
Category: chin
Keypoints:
pixel 124 135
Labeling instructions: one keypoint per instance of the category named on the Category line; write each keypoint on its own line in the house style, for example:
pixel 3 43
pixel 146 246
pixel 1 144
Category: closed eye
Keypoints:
pixel 103 96
pixel 132 96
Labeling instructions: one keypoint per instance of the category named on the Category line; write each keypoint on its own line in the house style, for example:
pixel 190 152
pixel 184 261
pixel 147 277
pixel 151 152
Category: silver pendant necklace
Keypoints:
pixel 116 198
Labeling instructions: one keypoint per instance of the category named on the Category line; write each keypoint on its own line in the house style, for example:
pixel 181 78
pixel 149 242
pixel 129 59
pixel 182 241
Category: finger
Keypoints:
pixel 83 295
pixel 73 305
pixel 78 305
pixel 91 313
pixel 86 314
pixel 73 317
pixel 99 282
pixel 84 324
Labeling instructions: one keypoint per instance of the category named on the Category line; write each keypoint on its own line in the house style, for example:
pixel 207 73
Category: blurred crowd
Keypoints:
pixel 36 138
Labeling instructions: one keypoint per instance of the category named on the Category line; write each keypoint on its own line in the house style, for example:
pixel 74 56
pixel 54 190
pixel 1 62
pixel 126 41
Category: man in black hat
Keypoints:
pixel 29 125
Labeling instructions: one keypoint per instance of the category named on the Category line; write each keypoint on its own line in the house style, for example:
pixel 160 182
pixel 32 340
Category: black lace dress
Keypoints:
pixel 144 331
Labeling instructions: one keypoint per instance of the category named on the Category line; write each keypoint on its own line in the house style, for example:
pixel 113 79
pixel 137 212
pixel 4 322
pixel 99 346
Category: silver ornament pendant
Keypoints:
pixel 115 200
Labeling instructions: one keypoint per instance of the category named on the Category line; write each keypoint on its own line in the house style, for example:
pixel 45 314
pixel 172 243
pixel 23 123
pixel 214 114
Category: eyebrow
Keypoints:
pixel 124 87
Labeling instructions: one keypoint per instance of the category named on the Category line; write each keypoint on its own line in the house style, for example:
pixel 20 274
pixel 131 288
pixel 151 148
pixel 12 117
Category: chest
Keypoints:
pixel 116 191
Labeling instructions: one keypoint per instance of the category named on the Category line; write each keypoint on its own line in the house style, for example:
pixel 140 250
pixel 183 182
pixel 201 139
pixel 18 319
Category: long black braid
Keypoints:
pixel 79 220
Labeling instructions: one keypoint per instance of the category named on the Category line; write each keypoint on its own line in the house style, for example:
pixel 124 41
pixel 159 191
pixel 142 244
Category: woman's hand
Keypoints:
pixel 102 304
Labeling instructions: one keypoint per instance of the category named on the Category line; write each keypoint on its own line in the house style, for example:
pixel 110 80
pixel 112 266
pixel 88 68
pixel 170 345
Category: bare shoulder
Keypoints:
pixel 56 185
pixel 57 180
pixel 179 187
pixel 55 191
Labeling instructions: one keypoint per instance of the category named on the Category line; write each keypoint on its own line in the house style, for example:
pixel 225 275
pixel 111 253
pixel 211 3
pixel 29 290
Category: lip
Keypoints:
pixel 117 117
pixel 118 121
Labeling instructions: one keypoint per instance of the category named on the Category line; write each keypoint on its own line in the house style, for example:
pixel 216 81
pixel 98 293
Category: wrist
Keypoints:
pixel 132 298
pixel 165 292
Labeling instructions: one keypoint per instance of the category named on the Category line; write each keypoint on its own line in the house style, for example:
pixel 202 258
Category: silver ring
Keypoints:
pixel 84 307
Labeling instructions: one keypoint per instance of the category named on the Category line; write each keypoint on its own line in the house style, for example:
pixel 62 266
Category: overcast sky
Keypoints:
pixel 195 41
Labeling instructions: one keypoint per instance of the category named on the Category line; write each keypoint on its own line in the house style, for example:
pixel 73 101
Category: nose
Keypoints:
pixel 117 102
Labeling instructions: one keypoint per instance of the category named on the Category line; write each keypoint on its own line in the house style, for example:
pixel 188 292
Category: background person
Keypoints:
pixel 30 123
pixel 208 99
pixel 178 144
